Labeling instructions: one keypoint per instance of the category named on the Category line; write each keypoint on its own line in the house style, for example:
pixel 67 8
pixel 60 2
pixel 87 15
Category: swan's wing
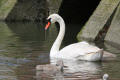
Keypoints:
pixel 77 49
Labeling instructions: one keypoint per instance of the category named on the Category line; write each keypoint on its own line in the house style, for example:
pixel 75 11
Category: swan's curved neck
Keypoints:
pixel 56 45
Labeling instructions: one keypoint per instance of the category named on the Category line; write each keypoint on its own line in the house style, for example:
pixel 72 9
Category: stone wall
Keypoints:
pixel 54 6
pixel 28 10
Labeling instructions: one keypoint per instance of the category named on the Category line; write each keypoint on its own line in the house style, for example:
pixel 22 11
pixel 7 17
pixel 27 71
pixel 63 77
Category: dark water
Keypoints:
pixel 25 45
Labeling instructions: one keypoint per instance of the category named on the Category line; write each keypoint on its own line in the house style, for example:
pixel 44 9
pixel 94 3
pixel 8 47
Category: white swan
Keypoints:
pixel 76 51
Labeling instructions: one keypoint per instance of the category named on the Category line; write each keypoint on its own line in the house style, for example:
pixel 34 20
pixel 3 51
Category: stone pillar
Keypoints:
pixel 5 7
pixel 98 19
pixel 113 35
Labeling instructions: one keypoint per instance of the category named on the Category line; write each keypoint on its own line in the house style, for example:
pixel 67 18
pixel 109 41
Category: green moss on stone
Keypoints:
pixel 98 19
pixel 5 8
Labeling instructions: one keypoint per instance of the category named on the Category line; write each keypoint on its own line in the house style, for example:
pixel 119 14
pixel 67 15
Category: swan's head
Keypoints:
pixel 52 19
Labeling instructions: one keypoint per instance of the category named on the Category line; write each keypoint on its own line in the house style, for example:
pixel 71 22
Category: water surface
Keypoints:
pixel 25 45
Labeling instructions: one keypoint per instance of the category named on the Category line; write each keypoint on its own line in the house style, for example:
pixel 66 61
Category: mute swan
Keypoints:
pixel 76 51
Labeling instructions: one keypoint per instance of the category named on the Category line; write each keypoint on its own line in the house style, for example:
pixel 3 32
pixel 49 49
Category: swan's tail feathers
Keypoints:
pixel 93 56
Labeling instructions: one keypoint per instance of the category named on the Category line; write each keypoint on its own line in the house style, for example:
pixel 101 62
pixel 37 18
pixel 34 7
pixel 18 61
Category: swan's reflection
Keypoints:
pixel 49 76
pixel 76 70
pixel 73 70
pixel 79 66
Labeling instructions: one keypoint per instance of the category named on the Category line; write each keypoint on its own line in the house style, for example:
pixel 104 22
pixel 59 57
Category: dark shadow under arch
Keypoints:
pixel 76 13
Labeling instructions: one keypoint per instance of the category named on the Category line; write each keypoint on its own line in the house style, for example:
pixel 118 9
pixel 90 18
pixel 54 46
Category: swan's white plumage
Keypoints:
pixel 79 51
pixel 76 51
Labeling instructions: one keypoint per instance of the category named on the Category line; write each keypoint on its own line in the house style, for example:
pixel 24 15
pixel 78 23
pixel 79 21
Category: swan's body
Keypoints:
pixel 76 51
pixel 81 51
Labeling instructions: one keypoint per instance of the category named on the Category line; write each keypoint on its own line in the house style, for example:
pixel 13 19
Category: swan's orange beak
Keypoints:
pixel 47 25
